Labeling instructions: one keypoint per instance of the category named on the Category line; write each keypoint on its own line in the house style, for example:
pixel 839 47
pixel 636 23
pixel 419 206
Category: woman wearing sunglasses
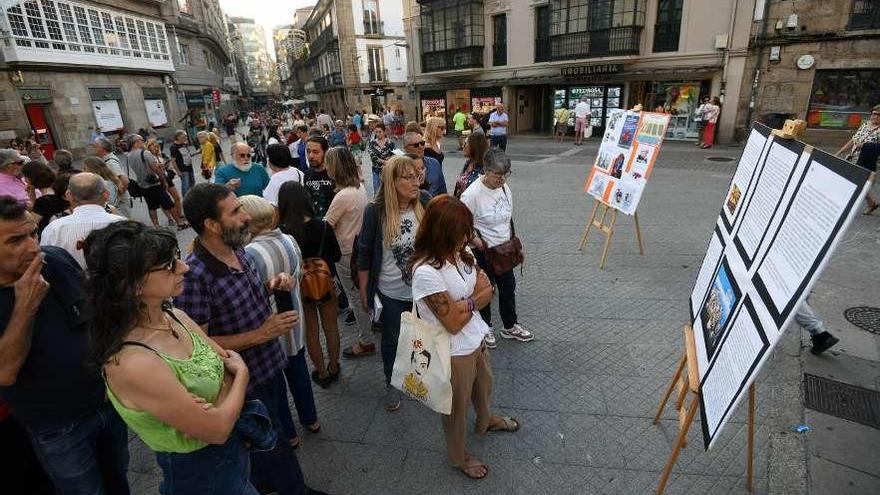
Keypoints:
pixel 174 386
pixel 242 176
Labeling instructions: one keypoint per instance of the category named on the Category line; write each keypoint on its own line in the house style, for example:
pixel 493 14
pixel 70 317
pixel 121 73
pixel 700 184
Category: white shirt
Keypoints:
pixel 500 130
pixel 270 193
pixel 394 278
pixel 459 282
pixel 492 209
pixel 582 110
pixel 68 232
pixel 292 147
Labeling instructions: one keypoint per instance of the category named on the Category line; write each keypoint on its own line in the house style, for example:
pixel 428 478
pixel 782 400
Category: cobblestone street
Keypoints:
pixel 607 342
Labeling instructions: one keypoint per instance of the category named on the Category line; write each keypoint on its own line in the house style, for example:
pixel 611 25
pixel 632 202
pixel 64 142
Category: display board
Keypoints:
pixel 156 113
pixel 786 208
pixel 626 157
pixel 107 115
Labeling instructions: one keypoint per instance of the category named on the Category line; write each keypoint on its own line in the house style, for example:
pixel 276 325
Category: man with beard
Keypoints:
pixel 317 181
pixel 241 175
pixel 224 295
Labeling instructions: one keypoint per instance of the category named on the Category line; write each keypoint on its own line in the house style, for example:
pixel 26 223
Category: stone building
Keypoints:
pixel 357 56
pixel 72 65
pixel 813 60
pixel 260 67
pixel 539 55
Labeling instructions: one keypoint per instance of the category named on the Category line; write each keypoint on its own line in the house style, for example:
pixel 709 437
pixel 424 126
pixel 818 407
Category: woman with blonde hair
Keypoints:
pixel 385 244
pixel 435 129
pixel 209 154
pixel 214 139
pixel 153 147
pixel 97 166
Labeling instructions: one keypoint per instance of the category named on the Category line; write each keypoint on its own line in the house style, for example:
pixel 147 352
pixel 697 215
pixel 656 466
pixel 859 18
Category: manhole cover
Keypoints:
pixel 842 400
pixel 864 317
pixel 720 159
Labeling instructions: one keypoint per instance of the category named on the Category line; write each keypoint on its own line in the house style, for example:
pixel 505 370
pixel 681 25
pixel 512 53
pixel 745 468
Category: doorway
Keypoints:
pixel 38 116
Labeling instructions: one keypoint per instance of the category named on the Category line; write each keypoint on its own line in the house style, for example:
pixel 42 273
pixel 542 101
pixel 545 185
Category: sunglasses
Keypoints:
pixel 169 266
pixel 417 143
pixel 243 155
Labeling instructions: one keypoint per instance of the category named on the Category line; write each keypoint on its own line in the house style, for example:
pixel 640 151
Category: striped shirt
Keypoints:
pixel 273 253
pixel 69 232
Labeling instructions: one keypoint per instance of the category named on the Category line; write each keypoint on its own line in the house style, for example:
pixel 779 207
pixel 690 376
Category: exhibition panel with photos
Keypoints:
pixel 786 209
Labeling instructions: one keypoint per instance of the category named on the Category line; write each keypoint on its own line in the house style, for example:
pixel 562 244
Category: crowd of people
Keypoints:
pixel 195 348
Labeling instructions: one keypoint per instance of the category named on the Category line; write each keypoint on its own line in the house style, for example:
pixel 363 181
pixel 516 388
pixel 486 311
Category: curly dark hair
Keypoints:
pixel 118 257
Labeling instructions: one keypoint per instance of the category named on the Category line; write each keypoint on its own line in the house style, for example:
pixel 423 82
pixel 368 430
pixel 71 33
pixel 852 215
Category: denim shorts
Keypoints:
pixel 213 470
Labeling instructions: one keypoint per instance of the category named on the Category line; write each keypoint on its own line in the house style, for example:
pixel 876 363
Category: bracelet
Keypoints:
pixel 471 304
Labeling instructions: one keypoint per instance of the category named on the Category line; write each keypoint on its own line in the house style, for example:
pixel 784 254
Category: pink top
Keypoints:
pixel 15 187
pixel 345 215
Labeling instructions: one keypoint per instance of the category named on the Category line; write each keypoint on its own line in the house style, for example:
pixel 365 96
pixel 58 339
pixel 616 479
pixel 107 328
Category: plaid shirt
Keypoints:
pixel 231 302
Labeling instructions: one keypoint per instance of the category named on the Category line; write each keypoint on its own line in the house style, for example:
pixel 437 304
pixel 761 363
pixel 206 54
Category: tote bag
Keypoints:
pixel 423 367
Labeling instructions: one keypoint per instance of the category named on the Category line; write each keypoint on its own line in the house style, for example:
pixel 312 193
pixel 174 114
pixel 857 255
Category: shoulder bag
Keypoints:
pixel 317 280
pixel 507 255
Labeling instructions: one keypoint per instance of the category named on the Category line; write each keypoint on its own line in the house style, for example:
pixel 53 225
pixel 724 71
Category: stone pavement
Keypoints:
pixel 586 389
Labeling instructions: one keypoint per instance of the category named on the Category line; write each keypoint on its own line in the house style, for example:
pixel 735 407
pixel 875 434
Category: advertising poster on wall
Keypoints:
pixel 626 156
pixel 156 113
pixel 107 115
pixel 435 107
pixel 786 209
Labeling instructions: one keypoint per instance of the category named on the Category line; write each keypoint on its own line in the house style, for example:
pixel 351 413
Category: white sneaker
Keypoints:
pixel 491 343
pixel 517 332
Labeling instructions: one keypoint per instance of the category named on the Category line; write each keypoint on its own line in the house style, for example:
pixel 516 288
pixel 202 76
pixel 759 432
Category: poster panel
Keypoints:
pixel 752 155
pixel 156 113
pixel 107 115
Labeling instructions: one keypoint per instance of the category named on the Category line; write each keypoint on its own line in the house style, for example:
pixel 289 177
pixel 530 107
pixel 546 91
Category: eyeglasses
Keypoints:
pixel 417 144
pixel 243 155
pixel 170 266
pixel 410 178
pixel 500 176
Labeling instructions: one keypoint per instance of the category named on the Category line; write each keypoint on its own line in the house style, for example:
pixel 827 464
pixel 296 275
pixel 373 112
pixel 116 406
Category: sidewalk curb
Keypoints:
pixel 788 464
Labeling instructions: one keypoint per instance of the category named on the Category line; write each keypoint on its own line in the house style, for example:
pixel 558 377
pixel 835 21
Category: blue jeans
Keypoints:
pixel 377 180
pixel 187 180
pixel 88 456
pixel 300 385
pixel 390 317
pixel 20 471
pixel 499 142
pixel 506 285
pixel 279 467
pixel 212 470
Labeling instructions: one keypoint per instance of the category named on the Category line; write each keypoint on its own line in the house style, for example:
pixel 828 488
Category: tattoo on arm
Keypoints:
pixel 439 303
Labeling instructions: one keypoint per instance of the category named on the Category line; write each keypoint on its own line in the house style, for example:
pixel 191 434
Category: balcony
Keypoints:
pixel 72 33
pixel 588 44
pixel 374 28
pixel 865 15
pixel 458 58
pixel 329 81
pixel 377 75
pixel 322 41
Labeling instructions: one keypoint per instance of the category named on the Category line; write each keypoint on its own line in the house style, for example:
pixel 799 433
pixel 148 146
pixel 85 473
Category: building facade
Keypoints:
pixel 357 57
pixel 280 43
pixel 71 65
pixel 260 67
pixel 814 60
pixel 538 55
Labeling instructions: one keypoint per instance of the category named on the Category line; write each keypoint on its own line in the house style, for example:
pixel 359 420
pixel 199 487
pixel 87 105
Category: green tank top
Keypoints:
pixel 201 374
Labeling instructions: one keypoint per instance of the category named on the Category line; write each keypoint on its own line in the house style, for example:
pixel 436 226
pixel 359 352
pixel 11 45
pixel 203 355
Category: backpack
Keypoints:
pixel 317 280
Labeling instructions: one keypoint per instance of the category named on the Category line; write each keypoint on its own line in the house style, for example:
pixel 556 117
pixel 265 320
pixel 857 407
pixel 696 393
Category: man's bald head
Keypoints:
pixel 86 188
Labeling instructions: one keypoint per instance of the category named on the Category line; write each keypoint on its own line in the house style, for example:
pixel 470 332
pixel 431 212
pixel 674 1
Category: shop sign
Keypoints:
pixel 582 71
pixel 588 91
pixel 484 104
pixel 107 115
pixel 35 94
pixel 156 113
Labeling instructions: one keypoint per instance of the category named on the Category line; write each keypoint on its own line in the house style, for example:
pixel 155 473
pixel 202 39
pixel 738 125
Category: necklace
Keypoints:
pixel 169 328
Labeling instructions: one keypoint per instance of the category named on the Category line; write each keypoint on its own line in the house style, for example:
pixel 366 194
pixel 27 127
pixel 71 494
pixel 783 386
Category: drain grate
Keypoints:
pixel 720 159
pixel 842 400
pixel 864 317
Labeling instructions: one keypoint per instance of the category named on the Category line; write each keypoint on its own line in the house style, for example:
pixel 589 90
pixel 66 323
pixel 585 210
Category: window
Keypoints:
pixel 499 40
pixel 865 15
pixel 372 25
pixel 452 34
pixel 668 26
pixel 593 28
pixel 183 54
pixel 842 99
pixel 374 65
pixel 184 7
pixel 542 33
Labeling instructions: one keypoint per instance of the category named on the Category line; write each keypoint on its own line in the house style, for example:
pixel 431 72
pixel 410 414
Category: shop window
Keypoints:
pixel 865 15
pixel 499 40
pixel 593 28
pixel 452 34
pixel 842 99
pixel 668 27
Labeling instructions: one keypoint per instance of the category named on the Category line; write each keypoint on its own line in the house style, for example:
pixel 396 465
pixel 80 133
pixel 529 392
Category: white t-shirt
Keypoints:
pixel 459 281
pixel 270 193
pixel 582 110
pixel 395 280
pixel 492 209
pixel 500 130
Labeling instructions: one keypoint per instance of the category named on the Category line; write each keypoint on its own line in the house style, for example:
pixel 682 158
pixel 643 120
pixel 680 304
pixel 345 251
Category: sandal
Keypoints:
pixel 359 350
pixel 507 424
pixel 471 469
pixel 314 427
pixel 294 442
pixel 872 206
pixel 324 382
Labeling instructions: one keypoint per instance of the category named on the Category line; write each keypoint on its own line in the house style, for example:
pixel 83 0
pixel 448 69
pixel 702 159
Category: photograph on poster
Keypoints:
pixel 749 162
pixel 723 295
pixel 726 379
pixel 597 187
pixel 623 196
pixel 617 166
pixel 733 198
pixel 652 128
pixel 628 131
pixel 614 125
pixel 766 197
pixel 707 268
pixel 644 158
pixel 613 92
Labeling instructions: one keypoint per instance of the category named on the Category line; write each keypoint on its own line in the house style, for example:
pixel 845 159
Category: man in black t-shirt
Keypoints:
pixel 45 375
pixel 183 166
pixel 317 180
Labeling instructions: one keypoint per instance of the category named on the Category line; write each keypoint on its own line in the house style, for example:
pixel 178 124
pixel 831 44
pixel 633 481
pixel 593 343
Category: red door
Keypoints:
pixel 39 123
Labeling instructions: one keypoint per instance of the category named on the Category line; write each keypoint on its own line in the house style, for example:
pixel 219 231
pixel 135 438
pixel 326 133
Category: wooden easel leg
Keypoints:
pixel 751 440
pixel 682 435
pixel 639 234
pixel 608 238
pixel 669 389
pixel 587 227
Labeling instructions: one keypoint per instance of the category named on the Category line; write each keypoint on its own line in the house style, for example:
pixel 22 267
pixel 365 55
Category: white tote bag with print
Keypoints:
pixel 423 367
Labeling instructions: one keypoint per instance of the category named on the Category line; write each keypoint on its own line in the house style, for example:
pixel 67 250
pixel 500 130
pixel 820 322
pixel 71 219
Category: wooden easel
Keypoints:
pixel 688 384
pixel 606 228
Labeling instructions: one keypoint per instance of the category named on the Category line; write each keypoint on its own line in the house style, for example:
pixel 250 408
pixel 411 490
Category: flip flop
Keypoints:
pixel 314 427
pixel 468 469
pixel 508 424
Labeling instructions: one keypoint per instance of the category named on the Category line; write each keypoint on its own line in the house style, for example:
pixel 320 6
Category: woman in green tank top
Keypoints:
pixel 174 387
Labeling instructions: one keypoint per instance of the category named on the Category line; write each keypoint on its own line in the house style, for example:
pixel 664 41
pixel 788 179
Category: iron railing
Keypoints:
pixel 457 58
pixel 374 28
pixel 377 75
pixel 321 41
pixel 623 40
pixel 328 81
